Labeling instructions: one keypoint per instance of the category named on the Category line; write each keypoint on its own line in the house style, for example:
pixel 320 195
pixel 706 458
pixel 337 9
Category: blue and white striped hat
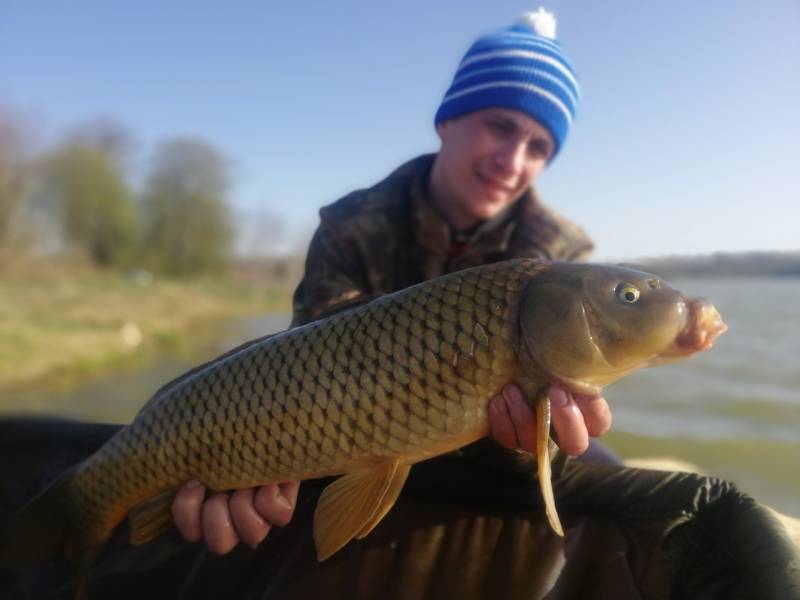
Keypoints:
pixel 520 67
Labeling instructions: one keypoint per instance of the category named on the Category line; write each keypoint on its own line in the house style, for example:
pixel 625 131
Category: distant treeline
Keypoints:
pixel 725 264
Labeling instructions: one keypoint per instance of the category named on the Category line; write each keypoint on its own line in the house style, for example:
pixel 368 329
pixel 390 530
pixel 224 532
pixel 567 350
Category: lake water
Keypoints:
pixel 733 411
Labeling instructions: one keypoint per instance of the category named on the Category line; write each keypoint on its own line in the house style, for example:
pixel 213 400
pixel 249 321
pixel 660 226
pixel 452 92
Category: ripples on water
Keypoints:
pixel 735 410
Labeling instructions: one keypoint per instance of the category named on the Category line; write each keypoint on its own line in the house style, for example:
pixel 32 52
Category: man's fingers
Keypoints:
pixel 186 510
pixel 251 527
pixel 218 529
pixel 289 489
pixel 500 423
pixel 567 420
pixel 596 413
pixel 523 418
pixel 275 502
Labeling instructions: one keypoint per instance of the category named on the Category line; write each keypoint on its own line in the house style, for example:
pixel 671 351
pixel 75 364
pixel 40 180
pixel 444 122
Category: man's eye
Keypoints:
pixel 499 127
pixel 539 148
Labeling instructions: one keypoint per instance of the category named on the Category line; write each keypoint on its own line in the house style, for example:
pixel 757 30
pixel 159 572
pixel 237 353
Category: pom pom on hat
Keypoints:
pixel 521 67
pixel 541 22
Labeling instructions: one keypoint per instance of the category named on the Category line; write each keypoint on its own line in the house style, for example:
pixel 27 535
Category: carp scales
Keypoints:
pixel 365 394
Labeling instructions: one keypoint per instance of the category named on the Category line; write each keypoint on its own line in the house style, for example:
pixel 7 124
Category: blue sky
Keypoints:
pixel 687 139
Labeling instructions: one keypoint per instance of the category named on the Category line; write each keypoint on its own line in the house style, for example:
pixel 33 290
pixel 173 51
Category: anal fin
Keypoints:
pixel 354 504
pixel 151 518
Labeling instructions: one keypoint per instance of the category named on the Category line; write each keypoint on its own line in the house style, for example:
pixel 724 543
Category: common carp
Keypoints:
pixel 365 394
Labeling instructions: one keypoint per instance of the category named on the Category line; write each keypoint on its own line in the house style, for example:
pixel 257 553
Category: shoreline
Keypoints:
pixel 61 327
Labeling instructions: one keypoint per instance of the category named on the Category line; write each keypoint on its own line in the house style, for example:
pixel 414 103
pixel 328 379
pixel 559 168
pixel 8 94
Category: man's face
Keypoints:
pixel 487 160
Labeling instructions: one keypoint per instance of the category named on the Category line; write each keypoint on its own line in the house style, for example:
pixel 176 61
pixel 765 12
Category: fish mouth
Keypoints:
pixel 703 326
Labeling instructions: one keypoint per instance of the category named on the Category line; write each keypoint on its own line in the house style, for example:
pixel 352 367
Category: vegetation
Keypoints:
pixel 187 222
pixel 13 183
pixel 95 206
pixel 101 265
pixel 76 198
pixel 62 320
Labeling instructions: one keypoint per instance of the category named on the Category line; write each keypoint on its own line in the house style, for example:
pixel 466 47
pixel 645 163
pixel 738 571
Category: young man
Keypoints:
pixel 503 119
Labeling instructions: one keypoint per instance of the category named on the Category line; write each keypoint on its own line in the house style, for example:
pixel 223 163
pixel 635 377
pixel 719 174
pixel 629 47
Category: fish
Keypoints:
pixel 365 394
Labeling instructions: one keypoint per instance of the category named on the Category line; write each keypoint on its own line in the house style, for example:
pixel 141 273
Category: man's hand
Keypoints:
pixel 575 417
pixel 225 519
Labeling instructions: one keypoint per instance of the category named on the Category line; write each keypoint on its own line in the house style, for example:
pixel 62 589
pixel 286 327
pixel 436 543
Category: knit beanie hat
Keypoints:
pixel 520 67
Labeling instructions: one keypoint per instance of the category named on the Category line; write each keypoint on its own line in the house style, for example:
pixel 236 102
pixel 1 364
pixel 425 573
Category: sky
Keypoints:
pixel 687 140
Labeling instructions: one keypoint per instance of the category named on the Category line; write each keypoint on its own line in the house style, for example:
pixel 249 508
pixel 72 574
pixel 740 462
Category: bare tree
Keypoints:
pixel 262 233
pixel 14 180
pixel 106 135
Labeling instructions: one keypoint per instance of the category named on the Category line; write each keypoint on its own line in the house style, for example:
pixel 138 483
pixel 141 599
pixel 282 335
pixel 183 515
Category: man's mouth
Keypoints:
pixel 494 185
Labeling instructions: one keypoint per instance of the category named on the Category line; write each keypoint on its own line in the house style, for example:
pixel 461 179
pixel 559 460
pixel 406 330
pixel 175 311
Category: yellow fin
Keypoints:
pixel 543 461
pixel 151 518
pixel 353 504
pixel 389 498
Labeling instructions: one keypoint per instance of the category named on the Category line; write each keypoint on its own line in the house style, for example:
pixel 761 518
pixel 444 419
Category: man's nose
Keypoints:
pixel 510 157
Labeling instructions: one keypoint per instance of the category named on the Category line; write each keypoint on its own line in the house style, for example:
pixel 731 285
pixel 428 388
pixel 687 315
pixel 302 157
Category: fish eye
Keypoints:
pixel 627 293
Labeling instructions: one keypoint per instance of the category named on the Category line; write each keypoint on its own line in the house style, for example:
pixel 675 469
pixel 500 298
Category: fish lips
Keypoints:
pixel 703 326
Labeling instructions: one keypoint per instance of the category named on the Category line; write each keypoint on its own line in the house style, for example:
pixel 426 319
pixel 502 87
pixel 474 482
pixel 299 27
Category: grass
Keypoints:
pixel 65 320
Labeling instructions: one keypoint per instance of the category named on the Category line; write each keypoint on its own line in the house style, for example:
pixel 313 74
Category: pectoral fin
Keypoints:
pixel 151 518
pixel 543 461
pixel 355 503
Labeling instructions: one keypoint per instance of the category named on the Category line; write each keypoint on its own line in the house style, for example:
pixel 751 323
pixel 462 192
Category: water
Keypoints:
pixel 734 411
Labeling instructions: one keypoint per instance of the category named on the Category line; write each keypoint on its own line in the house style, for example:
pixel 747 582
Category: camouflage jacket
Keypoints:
pixel 388 237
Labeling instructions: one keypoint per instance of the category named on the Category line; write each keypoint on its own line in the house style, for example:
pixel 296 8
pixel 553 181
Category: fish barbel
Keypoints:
pixel 365 394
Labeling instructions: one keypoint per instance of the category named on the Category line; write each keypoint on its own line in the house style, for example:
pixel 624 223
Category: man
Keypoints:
pixel 503 119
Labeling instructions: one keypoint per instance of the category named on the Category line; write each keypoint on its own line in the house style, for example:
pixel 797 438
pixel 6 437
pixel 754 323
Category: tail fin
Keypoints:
pixel 42 530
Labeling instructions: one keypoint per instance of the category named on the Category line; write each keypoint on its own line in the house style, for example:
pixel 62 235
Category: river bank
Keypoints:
pixel 61 323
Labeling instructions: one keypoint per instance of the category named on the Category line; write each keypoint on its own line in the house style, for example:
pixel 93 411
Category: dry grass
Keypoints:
pixel 65 319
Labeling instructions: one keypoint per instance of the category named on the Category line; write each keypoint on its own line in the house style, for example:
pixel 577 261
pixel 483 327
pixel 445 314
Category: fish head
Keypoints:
pixel 584 326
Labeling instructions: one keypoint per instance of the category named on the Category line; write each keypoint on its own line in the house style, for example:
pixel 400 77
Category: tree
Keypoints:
pixel 188 225
pixel 96 210
pixel 107 135
pixel 14 181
